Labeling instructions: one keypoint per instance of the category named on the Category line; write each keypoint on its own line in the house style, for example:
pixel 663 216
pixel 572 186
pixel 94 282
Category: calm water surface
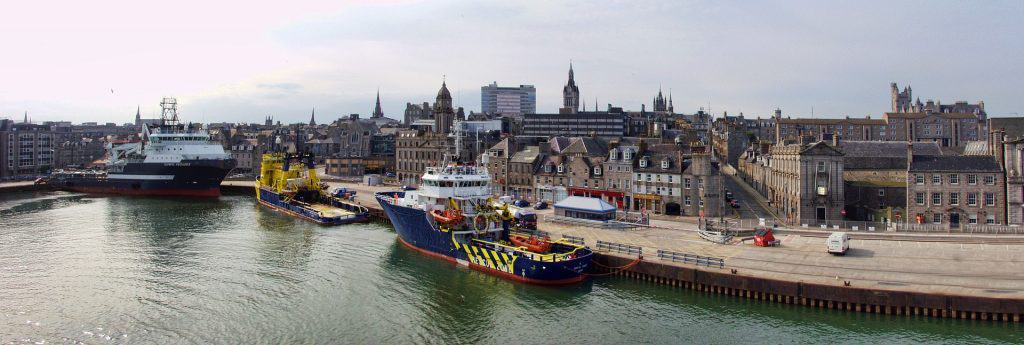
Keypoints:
pixel 76 268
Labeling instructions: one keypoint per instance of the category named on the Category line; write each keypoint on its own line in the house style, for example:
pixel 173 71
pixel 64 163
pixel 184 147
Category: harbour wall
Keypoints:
pixel 731 282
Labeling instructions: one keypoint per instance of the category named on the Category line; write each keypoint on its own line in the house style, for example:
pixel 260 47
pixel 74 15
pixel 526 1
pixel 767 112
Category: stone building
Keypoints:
pixel 874 178
pixel 668 181
pixel 26 149
pixel 416 150
pixel 568 166
pixel 1006 142
pixel 618 170
pixel 955 190
pixel 804 182
pixel 824 129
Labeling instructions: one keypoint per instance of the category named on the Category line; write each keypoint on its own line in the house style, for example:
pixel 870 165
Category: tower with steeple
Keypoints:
pixel 377 112
pixel 660 104
pixel 570 95
pixel 444 113
pixel 138 115
pixel 25 120
pixel 671 109
pixel 312 117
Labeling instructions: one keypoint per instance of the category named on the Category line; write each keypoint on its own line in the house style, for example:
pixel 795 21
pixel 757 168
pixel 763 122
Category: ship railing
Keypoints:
pixel 573 239
pixel 694 259
pixel 629 249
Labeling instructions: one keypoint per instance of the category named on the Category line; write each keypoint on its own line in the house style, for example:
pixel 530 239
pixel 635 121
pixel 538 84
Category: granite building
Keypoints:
pixel 26 149
pixel 955 190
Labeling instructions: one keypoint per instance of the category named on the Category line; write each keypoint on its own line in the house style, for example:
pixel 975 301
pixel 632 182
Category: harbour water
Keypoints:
pixel 77 268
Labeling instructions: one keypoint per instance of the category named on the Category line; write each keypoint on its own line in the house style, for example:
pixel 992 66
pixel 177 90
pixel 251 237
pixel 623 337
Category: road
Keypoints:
pixel 750 207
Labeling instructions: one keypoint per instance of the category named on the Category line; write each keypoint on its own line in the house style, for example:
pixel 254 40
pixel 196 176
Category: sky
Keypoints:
pixel 241 61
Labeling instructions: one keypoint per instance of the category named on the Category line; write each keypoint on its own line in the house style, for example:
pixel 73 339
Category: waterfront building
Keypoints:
pixel 508 101
pixel 669 181
pixel 618 170
pixel 414 151
pixel 954 190
pixel 1006 142
pixel 568 163
pixel 804 182
pixel 26 149
pixel 874 178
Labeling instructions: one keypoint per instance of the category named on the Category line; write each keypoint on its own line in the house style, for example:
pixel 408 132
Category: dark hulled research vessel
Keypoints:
pixel 171 159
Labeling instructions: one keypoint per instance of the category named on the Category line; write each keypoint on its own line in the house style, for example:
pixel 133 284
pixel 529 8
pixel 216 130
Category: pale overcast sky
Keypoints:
pixel 242 61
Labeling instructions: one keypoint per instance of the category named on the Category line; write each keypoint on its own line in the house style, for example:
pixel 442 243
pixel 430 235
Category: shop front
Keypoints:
pixel 612 197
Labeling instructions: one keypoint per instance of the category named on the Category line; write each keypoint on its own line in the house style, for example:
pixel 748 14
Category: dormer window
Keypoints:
pixel 664 164
pixel 627 154
pixel 643 162
pixel 597 170
pixel 613 154
pixel 561 168
pixel 547 168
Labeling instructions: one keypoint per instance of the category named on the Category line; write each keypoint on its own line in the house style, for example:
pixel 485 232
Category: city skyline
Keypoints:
pixel 836 59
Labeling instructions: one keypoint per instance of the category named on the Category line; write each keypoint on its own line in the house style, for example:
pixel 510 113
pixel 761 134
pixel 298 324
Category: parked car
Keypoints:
pixel 838 243
pixel 540 205
pixel 408 187
pixel 522 203
pixel 734 203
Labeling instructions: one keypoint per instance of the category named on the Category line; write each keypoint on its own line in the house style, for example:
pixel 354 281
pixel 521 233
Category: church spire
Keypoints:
pixel 312 117
pixel 377 112
pixel 25 120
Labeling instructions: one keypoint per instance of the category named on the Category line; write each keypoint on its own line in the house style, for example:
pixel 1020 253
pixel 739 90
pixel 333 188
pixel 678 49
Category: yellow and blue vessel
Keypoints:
pixel 452 217
pixel 288 183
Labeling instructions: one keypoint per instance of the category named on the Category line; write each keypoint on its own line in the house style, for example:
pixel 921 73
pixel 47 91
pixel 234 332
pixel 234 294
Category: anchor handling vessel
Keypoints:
pixel 288 183
pixel 170 159
pixel 452 216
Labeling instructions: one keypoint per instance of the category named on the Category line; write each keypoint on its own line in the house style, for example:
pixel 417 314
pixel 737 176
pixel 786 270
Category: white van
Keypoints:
pixel 838 243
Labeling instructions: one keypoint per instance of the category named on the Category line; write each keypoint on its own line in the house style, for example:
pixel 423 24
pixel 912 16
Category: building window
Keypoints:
pixel 990 199
pixel 936 179
pixel 990 219
pixel 937 218
pixel 954 179
pixel 821 167
pixel 686 201
pixel 972 199
pixel 881 192
pixel 919 179
pixel 664 164
pixel 597 170
pixel 972 219
pixel 919 198
pixel 990 180
pixel 954 198
pixel 561 168
pixel 936 199
pixel 686 183
pixel 972 179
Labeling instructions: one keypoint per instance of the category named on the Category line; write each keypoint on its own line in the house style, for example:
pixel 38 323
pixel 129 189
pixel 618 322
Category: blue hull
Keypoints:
pixel 273 200
pixel 416 231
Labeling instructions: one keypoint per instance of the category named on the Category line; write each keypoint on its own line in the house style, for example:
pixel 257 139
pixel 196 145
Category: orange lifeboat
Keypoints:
pixel 531 243
pixel 447 217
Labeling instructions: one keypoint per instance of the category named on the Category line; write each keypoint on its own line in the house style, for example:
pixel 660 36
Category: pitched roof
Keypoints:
pixel 1014 126
pixel 976 148
pixel 585 203
pixel 923 115
pixel 840 121
pixel 954 163
pixel 526 155
pixel 895 149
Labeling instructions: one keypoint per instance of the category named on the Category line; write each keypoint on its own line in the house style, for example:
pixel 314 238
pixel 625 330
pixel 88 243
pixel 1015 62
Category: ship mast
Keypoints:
pixel 169 111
